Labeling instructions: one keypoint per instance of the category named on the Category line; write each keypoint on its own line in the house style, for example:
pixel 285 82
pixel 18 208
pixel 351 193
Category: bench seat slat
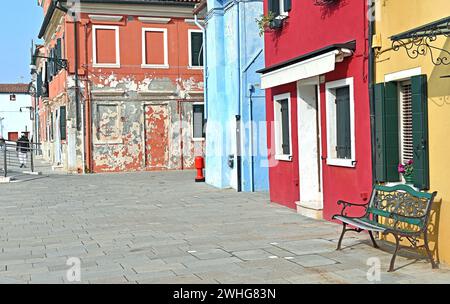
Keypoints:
pixel 367 224
pixel 360 223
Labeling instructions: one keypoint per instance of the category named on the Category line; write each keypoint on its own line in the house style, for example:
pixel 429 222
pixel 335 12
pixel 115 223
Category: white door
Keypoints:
pixel 309 146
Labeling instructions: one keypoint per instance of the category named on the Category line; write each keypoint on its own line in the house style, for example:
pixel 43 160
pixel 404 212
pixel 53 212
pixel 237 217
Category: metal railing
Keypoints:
pixel 15 159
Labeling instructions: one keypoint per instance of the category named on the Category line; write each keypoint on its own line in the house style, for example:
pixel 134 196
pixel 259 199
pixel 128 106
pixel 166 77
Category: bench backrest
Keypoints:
pixel 402 204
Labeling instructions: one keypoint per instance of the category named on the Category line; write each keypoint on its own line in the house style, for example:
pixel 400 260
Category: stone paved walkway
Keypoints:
pixel 163 228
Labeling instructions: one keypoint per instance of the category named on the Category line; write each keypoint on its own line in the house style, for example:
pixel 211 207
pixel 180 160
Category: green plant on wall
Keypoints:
pixel 264 22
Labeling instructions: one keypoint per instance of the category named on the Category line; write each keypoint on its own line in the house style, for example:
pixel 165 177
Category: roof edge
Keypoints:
pixel 347 45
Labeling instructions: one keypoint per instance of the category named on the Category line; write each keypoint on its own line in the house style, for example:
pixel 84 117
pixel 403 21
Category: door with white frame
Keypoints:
pixel 309 135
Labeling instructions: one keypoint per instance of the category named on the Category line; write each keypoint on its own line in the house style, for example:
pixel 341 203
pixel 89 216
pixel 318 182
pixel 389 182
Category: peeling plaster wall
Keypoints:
pixel 141 128
pixel 131 89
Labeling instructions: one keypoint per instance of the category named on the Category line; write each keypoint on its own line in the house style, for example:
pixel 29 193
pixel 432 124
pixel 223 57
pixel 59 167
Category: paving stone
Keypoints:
pixel 305 247
pixel 211 254
pixel 134 228
pixel 313 260
pixel 249 255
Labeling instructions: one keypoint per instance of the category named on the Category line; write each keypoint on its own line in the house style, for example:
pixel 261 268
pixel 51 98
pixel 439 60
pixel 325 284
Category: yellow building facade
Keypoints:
pixel 398 62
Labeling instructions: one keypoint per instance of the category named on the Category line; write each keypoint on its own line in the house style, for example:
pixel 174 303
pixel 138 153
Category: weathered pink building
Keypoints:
pixel 125 85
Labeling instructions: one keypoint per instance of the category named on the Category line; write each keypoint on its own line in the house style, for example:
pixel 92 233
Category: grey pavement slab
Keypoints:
pixel 161 227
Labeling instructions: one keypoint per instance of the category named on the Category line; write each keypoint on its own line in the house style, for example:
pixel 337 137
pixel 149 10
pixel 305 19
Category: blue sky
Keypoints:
pixel 20 21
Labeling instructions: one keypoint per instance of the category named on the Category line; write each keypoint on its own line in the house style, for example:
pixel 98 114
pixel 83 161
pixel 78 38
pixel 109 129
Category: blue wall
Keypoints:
pixel 234 54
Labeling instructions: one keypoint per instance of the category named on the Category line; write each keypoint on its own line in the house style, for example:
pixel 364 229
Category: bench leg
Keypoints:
pixel 397 248
pixel 375 245
pixel 430 255
pixel 344 230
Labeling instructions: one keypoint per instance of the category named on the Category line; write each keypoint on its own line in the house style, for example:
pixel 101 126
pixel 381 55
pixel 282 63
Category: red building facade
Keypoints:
pixel 318 111
pixel 122 85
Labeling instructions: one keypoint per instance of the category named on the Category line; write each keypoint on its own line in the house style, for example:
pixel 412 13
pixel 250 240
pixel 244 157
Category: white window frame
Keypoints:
pixel 94 46
pixel 200 67
pixel 146 65
pixel 278 125
pixel 204 109
pixel 283 13
pixel 330 87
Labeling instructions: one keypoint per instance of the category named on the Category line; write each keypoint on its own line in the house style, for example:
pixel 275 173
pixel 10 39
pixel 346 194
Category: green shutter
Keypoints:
pixel 274 7
pixel 380 139
pixel 391 111
pixel 343 133
pixel 420 131
pixel 287 5
pixel 51 125
pixel 39 84
pixel 62 123
pixel 286 144
pixel 386 132
pixel 58 54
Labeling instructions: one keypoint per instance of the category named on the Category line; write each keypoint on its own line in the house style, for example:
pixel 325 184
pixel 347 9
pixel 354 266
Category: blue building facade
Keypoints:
pixel 236 136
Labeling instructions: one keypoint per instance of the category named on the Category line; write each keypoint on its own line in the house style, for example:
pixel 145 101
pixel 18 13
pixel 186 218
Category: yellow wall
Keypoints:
pixel 397 16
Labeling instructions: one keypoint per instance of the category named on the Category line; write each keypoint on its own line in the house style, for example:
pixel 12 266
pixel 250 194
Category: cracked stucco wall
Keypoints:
pixel 145 125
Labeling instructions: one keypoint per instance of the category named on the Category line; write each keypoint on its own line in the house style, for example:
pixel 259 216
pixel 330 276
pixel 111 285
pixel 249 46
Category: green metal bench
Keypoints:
pixel 399 210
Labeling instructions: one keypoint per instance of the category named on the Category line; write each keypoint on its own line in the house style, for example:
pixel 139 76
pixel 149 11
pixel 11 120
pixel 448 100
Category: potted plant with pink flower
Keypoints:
pixel 407 170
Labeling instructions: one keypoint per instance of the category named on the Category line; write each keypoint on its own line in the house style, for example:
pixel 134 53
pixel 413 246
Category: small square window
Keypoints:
pixel 280 8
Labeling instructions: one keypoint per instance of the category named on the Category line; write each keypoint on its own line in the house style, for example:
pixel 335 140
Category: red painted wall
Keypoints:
pixel 310 28
pixel 130 33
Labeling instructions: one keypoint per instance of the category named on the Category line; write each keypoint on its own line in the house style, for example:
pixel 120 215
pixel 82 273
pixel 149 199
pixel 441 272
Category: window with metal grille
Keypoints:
pixel 406 125
pixel 199 121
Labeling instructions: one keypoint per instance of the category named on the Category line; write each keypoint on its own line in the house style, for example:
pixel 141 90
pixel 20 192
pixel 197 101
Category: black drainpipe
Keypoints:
pixel 371 6
pixel 238 153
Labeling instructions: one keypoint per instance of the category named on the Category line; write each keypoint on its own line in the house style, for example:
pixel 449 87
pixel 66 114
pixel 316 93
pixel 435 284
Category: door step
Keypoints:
pixel 310 209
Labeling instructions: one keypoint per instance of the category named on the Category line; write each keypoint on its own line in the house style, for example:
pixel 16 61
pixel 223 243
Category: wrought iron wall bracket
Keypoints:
pixel 61 63
pixel 421 42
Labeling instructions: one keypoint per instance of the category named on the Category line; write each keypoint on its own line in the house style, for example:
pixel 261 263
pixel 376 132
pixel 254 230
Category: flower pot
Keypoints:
pixel 276 24
pixel 409 179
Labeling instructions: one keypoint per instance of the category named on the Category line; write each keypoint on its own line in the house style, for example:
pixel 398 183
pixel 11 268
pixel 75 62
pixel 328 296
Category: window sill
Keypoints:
pixel 106 66
pixel 199 139
pixel 287 158
pixel 195 68
pixel 282 16
pixel 348 163
pixel 154 66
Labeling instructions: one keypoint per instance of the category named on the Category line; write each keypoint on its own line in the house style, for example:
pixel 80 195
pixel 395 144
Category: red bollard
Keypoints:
pixel 199 165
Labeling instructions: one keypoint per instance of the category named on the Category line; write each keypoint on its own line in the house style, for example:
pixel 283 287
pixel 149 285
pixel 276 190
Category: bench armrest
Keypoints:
pixel 346 205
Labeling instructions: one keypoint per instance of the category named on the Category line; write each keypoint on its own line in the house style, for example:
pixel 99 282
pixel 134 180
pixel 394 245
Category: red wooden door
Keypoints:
pixel 157 137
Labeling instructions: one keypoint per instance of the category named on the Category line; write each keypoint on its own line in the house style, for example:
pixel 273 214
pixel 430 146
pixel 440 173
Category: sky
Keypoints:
pixel 20 21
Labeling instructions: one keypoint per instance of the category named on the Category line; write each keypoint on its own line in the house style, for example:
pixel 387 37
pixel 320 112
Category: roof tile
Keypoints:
pixel 14 88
